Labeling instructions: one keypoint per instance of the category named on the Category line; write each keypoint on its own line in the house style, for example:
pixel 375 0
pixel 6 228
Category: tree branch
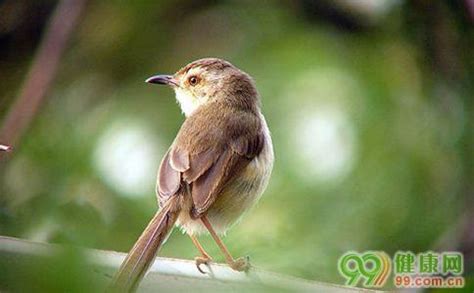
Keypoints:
pixel 165 274
pixel 42 71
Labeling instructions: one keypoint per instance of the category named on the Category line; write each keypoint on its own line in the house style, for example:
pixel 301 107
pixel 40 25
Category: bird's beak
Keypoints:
pixel 162 79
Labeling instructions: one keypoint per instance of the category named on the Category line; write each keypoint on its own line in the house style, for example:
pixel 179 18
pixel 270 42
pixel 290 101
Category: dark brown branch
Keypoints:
pixel 42 71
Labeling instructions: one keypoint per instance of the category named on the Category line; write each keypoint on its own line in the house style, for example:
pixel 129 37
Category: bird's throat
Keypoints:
pixel 187 102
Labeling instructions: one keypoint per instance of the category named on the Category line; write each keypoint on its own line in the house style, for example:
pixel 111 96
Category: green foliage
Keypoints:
pixel 393 172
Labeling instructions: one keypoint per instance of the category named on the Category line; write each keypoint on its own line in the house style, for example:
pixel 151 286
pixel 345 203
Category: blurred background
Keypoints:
pixel 370 104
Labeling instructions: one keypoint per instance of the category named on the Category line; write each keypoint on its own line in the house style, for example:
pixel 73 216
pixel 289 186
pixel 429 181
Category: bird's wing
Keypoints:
pixel 207 160
pixel 169 180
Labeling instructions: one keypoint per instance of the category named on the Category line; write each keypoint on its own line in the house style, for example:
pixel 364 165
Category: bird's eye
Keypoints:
pixel 193 80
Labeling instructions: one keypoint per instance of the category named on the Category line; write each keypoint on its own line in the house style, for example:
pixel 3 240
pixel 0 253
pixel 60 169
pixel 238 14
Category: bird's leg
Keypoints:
pixel 204 258
pixel 240 264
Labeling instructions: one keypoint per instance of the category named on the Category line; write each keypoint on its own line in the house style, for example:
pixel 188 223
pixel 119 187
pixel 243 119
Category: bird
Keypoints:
pixel 215 170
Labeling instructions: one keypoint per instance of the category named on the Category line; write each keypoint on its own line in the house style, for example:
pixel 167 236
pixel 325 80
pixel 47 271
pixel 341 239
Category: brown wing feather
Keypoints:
pixel 169 179
pixel 179 160
pixel 204 187
pixel 207 159
pixel 208 186
pixel 248 146
pixel 200 163
pixel 228 164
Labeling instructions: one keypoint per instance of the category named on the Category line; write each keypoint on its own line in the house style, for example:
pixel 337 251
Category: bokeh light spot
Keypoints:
pixel 325 144
pixel 127 157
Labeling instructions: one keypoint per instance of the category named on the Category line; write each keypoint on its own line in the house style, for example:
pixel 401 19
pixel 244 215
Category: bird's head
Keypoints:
pixel 210 80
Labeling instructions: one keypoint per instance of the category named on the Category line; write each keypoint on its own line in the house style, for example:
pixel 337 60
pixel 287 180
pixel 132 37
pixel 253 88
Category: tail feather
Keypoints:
pixel 143 253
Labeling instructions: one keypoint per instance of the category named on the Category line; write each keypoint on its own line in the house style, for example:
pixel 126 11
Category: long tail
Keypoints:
pixel 143 253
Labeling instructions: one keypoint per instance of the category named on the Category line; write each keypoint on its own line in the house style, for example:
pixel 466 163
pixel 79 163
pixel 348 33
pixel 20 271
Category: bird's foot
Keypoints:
pixel 242 264
pixel 200 260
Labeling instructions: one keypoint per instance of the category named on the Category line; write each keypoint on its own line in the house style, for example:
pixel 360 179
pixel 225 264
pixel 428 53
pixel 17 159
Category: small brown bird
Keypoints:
pixel 216 169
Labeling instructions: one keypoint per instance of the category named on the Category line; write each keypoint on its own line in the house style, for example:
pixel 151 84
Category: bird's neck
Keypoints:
pixel 187 103
pixel 189 106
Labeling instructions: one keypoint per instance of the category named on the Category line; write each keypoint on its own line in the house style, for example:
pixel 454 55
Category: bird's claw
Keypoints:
pixel 242 264
pixel 202 260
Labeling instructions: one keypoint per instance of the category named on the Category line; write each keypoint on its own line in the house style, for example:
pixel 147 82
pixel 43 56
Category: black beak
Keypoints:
pixel 162 79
